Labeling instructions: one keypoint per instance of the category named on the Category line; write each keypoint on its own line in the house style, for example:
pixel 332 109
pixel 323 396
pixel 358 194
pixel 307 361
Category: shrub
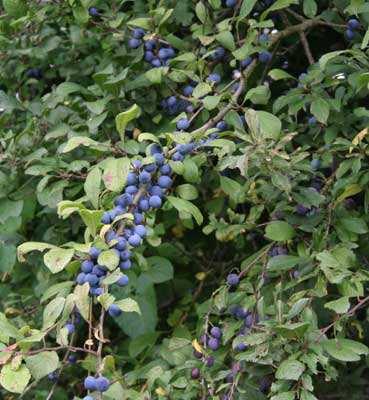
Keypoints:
pixel 184 202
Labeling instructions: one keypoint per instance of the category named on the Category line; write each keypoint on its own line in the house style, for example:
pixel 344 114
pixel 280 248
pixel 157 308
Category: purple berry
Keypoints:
pixel 350 34
pixel 353 24
pixel 134 43
pixel 195 373
pixel 209 361
pixel 233 279
pixel 105 219
pixel 156 63
pixel 134 240
pixel 144 204
pixel 231 3
pixel 159 159
pixel 166 169
pixel 87 266
pixel 221 126
pixel 155 201
pixel 114 311
pixel 164 181
pixel 149 56
pixel 131 179
pixel 138 33
pixel 197 354
pixel 183 124
pixel 81 278
pixel 90 383
pixel 213 343
pixel 140 230
pixel 123 280
pixel 246 62
pixel 70 328
pixel 216 332
pixel 150 44
pixel 102 384
pixel 214 78
pixel 92 279
pixel 187 90
pixel 94 252
pixel 265 56
pixel 124 265
pixel 93 11
pixel 125 255
pixel 144 177
pixel 138 218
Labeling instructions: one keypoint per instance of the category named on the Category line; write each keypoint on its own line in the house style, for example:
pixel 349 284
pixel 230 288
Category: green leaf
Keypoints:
pixel 76 141
pixel 140 343
pixel 211 102
pixel 290 370
pixel 115 173
pixel 42 364
pixel 349 191
pixel 161 269
pixel 92 186
pixel 279 231
pixel 92 219
pixel 320 109
pixel 67 88
pixel 283 262
pixel 123 118
pixel 200 11
pixel 201 90
pixel 340 306
pixel 109 259
pixel 355 225
pixel 233 189
pixel 82 298
pixel 335 263
pixel 187 191
pixel 9 208
pixel 310 8
pixel 278 74
pixel 263 124
pixel 344 349
pixel 278 5
pixel 144 23
pixel 57 259
pixel 226 39
pixel 52 311
pixel 14 380
pixel 8 257
pixel 186 207
pixel 154 75
pixel 15 8
pixel 246 7
pixel 190 171
pixel 284 396
pixel 128 305
pixel 27 247
pixel 258 95
pixel 8 329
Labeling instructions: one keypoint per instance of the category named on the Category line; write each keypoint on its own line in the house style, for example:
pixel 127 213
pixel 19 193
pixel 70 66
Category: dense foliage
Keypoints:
pixel 184 199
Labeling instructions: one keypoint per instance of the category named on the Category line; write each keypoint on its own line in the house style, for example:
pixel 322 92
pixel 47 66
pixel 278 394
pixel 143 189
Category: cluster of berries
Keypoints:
pixel 156 53
pixel 352 26
pixel 99 384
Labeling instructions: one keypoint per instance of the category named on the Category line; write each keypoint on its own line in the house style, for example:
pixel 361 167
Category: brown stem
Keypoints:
pixel 306 47
pixel 349 313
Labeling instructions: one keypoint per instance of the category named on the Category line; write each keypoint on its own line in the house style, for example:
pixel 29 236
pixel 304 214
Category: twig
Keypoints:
pixel 349 313
pixel 306 46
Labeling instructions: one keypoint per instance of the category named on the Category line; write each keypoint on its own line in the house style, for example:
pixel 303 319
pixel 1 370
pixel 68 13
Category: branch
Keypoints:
pixel 306 46
pixel 349 313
